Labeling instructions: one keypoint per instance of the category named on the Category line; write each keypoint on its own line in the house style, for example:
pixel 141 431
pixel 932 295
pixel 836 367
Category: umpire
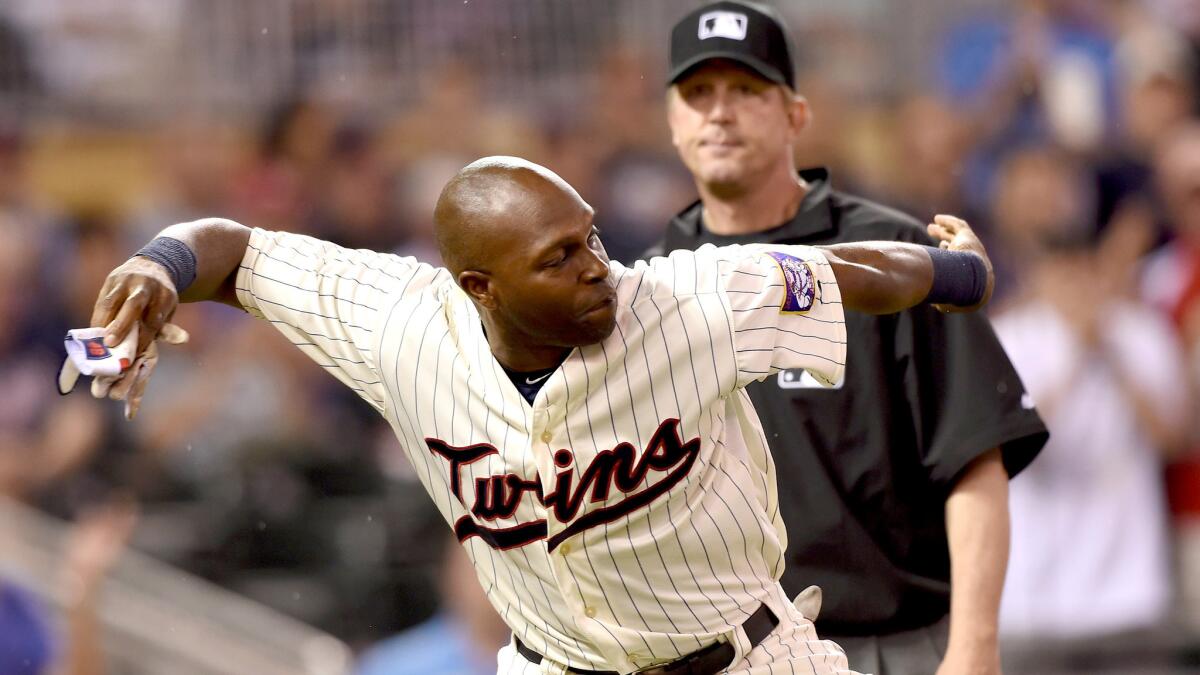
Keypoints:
pixel 894 484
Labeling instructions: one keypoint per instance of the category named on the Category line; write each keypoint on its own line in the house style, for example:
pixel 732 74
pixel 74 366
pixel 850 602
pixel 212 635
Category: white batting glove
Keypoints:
pixel 129 381
pixel 88 355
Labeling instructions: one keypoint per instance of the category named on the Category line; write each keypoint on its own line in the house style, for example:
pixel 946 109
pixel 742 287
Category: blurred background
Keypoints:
pixel 257 518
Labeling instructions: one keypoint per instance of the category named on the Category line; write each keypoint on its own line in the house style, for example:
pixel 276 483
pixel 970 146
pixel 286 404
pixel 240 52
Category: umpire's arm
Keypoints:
pixel 977 534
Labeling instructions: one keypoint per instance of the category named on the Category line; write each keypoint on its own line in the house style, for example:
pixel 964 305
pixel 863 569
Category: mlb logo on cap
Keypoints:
pixel 747 33
pixel 731 25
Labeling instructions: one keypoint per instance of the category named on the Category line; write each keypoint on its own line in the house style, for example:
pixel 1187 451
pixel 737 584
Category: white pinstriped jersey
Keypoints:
pixel 628 516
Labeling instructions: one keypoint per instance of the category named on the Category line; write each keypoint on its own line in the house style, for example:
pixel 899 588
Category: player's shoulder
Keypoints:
pixel 863 219
pixel 664 275
pixel 700 261
pixel 423 314
pixel 683 272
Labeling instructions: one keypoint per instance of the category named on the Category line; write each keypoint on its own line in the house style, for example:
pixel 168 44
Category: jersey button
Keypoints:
pixel 590 612
pixel 546 437
pixel 564 549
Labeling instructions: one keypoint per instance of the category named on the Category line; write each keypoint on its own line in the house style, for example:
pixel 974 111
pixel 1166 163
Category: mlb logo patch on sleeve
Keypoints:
pixel 801 286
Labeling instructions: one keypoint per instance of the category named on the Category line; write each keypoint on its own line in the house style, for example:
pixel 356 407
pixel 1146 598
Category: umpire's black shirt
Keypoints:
pixel 865 468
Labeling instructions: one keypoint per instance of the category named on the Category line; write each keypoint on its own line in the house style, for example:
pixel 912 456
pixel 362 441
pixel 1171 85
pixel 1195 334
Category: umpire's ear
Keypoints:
pixel 478 285
pixel 798 110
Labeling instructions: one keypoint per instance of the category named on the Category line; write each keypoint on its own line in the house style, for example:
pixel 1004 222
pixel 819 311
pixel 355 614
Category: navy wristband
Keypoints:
pixel 174 255
pixel 959 278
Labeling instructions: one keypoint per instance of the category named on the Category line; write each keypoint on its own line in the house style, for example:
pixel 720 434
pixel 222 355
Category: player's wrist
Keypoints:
pixel 175 257
pixel 960 278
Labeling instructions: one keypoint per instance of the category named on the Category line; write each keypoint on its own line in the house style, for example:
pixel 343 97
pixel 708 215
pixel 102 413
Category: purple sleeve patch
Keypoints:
pixel 801 286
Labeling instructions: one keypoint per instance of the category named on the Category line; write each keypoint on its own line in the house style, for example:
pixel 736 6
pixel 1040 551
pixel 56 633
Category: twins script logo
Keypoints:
pixel 497 497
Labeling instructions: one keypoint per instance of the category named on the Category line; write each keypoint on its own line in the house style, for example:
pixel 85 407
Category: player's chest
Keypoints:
pixel 523 474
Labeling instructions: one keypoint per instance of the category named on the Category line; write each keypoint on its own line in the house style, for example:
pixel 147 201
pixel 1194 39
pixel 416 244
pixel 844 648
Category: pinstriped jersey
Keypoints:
pixel 628 516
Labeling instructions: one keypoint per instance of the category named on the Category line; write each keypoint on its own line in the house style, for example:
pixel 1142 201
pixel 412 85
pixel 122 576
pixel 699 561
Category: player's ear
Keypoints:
pixel 478 285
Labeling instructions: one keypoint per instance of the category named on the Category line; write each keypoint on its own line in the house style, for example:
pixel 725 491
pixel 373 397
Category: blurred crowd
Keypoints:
pixel 1066 131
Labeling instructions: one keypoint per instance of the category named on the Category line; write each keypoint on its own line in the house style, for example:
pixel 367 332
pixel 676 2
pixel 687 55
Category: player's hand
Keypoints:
pixel 131 385
pixel 954 234
pixel 139 292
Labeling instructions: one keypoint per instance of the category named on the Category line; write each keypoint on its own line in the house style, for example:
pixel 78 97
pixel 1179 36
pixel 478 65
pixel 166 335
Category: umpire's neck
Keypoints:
pixel 766 204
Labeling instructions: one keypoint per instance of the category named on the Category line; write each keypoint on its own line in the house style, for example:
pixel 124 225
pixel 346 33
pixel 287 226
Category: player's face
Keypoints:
pixel 730 126
pixel 556 289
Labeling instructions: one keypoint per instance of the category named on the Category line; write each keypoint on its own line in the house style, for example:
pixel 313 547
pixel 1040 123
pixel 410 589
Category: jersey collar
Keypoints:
pixel 811 219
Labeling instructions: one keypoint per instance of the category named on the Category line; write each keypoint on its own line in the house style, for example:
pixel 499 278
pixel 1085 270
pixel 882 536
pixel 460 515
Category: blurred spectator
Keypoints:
pixel 453 117
pixel 1046 63
pixel 1172 280
pixel 933 142
pixel 29 644
pixel 627 81
pixel 1090 552
pixel 42 436
pixel 17 76
pixel 637 190
pixel 100 51
pixel 1172 284
pixel 38 219
pixel 824 143
pixel 355 206
pixel 1156 93
pixel 191 406
pixel 461 639
pixel 277 189
pixel 1040 194
pixel 196 162
pixel 365 201
pixel 45 439
pixel 1184 16
pixel 26 646
pixel 1043 71
pixel 618 154
pixel 339 50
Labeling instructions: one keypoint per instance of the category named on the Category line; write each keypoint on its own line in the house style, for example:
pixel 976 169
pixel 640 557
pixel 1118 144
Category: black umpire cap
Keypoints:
pixel 748 33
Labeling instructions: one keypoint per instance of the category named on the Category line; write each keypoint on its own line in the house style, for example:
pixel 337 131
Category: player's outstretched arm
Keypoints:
pixel 201 258
pixel 141 292
pixel 887 277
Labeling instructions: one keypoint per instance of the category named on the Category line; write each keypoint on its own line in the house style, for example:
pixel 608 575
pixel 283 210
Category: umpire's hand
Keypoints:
pixel 138 293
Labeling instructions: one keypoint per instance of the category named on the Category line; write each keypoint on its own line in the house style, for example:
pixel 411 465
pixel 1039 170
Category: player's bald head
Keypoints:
pixel 493 203
pixel 522 245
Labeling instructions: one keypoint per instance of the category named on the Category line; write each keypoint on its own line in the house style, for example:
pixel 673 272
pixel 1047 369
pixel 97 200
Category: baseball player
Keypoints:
pixel 579 423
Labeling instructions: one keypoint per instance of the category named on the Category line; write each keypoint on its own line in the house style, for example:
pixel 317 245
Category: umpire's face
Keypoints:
pixel 732 128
